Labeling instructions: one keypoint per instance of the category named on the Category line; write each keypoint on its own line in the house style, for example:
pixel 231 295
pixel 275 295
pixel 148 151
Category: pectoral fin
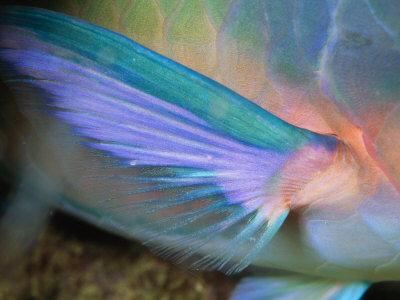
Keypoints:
pixel 188 166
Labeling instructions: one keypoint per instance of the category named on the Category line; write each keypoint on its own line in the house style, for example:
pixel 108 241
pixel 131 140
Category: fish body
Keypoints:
pixel 301 178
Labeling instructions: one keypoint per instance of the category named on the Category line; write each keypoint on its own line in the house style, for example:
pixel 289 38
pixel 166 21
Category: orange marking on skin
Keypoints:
pixel 335 186
pixel 304 165
pixel 370 148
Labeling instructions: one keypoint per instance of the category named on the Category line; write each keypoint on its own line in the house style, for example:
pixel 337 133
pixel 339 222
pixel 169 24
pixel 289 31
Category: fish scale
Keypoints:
pixel 248 79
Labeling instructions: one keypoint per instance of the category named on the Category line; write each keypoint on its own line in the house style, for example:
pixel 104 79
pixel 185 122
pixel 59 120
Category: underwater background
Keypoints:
pixel 73 260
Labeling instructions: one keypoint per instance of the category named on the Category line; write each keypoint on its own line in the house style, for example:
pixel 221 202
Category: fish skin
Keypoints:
pixel 361 181
pixel 237 44
pixel 250 46
pixel 232 42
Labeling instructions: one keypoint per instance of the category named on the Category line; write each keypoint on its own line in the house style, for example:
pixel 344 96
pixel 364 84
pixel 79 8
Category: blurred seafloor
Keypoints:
pixel 73 260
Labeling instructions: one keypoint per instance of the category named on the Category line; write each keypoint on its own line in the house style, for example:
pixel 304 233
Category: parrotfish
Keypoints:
pixel 228 134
